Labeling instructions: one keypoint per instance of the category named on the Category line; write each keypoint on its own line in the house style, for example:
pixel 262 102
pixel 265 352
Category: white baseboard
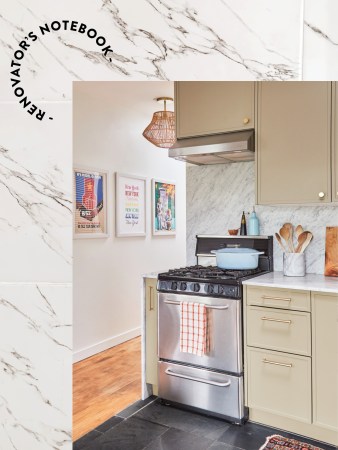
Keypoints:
pixel 104 345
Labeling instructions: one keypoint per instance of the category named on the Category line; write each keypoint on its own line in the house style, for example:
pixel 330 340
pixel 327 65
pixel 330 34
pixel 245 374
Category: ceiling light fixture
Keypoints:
pixel 161 130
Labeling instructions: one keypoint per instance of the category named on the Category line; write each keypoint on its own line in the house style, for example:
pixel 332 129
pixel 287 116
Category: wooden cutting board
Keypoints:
pixel 331 252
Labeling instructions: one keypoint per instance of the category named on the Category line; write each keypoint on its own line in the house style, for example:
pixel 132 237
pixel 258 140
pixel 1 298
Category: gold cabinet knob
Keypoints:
pixel 321 195
pixel 246 120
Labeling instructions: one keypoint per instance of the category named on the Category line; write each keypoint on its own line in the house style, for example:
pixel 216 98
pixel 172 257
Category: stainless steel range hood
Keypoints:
pixel 215 149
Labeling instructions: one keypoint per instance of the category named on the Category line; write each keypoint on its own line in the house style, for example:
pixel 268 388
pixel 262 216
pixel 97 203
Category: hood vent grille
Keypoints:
pixel 215 149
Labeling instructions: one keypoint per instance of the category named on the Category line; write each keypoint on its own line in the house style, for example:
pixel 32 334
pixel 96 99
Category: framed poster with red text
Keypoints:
pixel 90 203
pixel 130 205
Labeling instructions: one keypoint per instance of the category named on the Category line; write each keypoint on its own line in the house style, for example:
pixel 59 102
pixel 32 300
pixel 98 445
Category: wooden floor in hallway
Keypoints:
pixel 104 384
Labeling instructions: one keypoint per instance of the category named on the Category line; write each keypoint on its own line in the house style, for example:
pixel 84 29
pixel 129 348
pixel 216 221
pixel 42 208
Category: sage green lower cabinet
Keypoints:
pixel 280 383
pixel 335 141
pixel 291 360
pixel 325 360
pixel 151 333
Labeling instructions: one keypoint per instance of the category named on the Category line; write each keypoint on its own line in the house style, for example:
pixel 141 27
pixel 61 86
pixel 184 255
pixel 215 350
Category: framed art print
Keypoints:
pixel 90 206
pixel 163 207
pixel 130 204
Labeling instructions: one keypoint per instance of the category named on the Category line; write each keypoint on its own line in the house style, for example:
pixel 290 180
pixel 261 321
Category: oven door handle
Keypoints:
pixel 172 302
pixel 199 380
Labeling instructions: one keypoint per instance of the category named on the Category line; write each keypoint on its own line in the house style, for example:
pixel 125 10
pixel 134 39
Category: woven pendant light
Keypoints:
pixel 161 130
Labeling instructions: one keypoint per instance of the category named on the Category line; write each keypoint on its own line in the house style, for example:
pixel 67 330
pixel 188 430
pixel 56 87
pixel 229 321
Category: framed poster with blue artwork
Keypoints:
pixel 90 203
pixel 163 207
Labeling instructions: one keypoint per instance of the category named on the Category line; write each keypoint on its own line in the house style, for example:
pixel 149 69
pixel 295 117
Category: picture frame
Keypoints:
pixel 163 207
pixel 90 211
pixel 130 205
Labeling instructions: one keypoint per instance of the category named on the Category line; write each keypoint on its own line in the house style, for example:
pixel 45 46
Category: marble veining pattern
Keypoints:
pixel 320 55
pixel 217 195
pixel 35 358
pixel 151 39
pixel 35 190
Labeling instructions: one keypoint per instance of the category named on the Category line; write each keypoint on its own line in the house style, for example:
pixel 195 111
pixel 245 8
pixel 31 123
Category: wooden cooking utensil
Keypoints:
pixel 307 241
pixel 285 234
pixel 299 230
pixel 301 240
pixel 279 240
pixel 289 227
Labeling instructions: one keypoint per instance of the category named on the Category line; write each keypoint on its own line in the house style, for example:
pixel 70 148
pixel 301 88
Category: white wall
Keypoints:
pixel 109 118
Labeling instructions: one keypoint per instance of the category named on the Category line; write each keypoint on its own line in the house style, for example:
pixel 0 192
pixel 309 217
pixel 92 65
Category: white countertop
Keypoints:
pixel 152 274
pixel 311 282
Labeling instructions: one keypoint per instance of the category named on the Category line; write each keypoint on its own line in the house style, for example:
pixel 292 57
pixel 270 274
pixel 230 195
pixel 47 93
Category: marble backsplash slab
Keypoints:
pixel 217 195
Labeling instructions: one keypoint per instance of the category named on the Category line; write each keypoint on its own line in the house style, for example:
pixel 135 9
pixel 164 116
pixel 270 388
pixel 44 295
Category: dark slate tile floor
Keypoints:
pixel 149 425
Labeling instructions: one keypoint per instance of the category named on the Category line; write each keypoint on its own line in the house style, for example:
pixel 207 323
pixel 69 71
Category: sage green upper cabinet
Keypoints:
pixel 209 107
pixel 335 142
pixel 293 142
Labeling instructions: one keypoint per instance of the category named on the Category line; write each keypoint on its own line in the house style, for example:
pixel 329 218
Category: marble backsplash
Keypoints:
pixel 217 195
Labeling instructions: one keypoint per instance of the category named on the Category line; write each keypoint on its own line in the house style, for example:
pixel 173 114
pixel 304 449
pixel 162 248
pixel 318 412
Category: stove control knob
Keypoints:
pixel 209 288
pixel 173 286
pixel 218 289
pixel 183 286
pixel 196 287
pixel 163 285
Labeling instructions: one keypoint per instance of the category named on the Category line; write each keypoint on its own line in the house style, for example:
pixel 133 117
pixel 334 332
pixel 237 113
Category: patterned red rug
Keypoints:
pixel 277 442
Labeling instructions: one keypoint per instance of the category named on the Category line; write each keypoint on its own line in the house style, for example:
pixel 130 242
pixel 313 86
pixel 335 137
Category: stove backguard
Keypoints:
pixel 206 243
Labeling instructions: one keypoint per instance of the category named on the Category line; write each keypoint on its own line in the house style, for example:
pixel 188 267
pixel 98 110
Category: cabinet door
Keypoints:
pixel 335 142
pixel 151 331
pixel 213 107
pixel 293 142
pixel 279 383
pixel 325 360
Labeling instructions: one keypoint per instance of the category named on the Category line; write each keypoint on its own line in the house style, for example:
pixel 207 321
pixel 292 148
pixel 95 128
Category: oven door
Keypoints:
pixel 225 332
pixel 217 393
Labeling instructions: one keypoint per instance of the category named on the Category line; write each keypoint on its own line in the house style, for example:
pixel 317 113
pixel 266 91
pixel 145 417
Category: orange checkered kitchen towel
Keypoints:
pixel 194 328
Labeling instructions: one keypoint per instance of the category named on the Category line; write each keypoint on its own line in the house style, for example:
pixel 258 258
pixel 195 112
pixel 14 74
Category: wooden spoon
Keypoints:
pixel 285 233
pixel 304 240
pixel 289 227
pixel 279 240
pixel 307 241
pixel 299 230
pixel 301 240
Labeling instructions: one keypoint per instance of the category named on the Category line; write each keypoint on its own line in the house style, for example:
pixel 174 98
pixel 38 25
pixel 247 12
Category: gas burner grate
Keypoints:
pixel 243 273
pixel 211 272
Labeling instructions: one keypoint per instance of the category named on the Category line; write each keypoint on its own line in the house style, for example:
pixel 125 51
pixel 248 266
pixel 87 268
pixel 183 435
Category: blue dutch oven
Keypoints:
pixel 237 258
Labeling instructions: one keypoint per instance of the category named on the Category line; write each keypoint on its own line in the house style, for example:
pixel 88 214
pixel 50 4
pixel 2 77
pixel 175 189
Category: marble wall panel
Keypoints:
pixel 35 366
pixel 320 53
pixel 151 39
pixel 35 192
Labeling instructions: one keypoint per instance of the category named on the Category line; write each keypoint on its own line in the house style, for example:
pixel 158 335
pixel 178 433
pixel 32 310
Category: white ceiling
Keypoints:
pixel 127 94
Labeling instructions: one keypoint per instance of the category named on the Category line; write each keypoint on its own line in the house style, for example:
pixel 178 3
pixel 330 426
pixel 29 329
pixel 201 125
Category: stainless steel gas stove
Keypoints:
pixel 206 280
pixel 212 383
